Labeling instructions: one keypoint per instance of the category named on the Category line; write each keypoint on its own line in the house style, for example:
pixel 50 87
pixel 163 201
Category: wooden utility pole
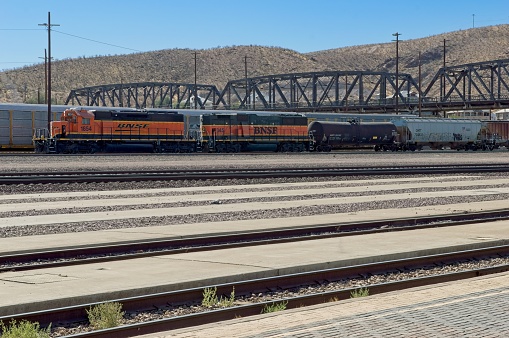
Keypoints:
pixel 48 80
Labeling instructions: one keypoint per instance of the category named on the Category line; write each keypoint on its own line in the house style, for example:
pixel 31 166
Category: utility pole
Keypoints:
pixel 397 70
pixel 195 91
pixel 420 85
pixel 48 94
pixel 245 77
pixel 45 77
pixel 346 92
pixel 443 75
pixel 444 63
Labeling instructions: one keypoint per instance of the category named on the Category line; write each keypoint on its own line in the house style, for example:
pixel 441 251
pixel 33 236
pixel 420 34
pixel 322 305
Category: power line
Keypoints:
pixel 16 61
pixel 104 43
pixel 74 36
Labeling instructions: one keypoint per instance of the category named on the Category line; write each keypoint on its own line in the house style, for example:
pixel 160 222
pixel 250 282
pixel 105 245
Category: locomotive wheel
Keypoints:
pixel 220 148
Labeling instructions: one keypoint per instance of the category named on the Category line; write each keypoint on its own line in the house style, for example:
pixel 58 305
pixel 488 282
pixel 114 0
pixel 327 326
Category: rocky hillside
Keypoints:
pixel 219 65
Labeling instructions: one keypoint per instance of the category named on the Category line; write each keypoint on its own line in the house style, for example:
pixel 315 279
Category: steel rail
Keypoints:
pixel 45 178
pixel 222 170
pixel 42 259
pixel 77 313
pixel 219 315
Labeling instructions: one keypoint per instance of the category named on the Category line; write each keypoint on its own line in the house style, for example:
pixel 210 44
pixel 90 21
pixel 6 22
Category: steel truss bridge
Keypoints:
pixel 483 85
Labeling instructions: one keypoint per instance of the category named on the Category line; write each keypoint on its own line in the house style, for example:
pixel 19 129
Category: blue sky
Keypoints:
pixel 110 27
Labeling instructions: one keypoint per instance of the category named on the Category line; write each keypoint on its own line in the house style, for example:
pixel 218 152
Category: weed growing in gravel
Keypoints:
pixel 362 292
pixel 228 302
pixel 24 329
pixel 105 315
pixel 274 307
pixel 210 298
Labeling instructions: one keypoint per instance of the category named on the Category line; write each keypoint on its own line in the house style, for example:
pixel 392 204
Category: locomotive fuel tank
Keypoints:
pixel 327 135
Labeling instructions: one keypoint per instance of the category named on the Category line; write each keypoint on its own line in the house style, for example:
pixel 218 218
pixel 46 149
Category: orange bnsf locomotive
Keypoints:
pixel 90 131
pixel 238 132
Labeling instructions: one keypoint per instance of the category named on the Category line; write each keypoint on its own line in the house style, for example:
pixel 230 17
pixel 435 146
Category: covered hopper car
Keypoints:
pixel 416 133
pixel 495 134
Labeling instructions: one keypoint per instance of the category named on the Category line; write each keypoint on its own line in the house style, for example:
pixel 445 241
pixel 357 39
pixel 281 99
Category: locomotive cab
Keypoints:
pixel 71 122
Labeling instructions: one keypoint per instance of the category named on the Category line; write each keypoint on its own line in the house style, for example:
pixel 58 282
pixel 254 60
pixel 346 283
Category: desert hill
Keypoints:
pixel 219 65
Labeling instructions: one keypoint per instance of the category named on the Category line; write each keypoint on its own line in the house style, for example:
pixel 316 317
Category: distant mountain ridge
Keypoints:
pixel 217 66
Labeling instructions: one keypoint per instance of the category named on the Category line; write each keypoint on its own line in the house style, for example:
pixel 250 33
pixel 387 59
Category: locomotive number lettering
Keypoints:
pixel 86 128
pixel 265 130
pixel 132 125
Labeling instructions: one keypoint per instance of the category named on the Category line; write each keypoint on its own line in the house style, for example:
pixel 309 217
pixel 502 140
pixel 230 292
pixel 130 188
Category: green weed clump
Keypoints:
pixel 105 315
pixel 274 307
pixel 210 298
pixel 24 329
pixel 362 292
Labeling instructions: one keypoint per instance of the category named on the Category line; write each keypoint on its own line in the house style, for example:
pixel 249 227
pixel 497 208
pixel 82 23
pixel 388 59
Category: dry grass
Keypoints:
pixel 219 65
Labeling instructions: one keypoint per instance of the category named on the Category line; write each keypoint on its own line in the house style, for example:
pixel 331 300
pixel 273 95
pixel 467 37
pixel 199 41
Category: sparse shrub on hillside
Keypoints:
pixel 217 66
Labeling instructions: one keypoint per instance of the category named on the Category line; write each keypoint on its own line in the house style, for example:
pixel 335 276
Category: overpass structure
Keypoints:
pixel 483 85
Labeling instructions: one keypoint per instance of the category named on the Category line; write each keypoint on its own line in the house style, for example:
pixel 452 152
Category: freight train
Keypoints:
pixel 19 120
pixel 88 131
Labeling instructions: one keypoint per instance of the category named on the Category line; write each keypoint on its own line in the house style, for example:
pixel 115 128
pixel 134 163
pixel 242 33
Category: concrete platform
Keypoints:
pixel 65 286
pixel 125 197
pixel 473 308
pixel 13 245
pixel 32 291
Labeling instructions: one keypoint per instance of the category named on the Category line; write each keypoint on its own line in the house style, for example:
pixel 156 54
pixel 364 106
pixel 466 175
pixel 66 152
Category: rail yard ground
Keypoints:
pixel 368 158
pixel 39 216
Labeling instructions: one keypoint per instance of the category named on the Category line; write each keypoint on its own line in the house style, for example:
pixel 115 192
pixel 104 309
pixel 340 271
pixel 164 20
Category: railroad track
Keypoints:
pixel 273 284
pixel 201 174
pixel 130 250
